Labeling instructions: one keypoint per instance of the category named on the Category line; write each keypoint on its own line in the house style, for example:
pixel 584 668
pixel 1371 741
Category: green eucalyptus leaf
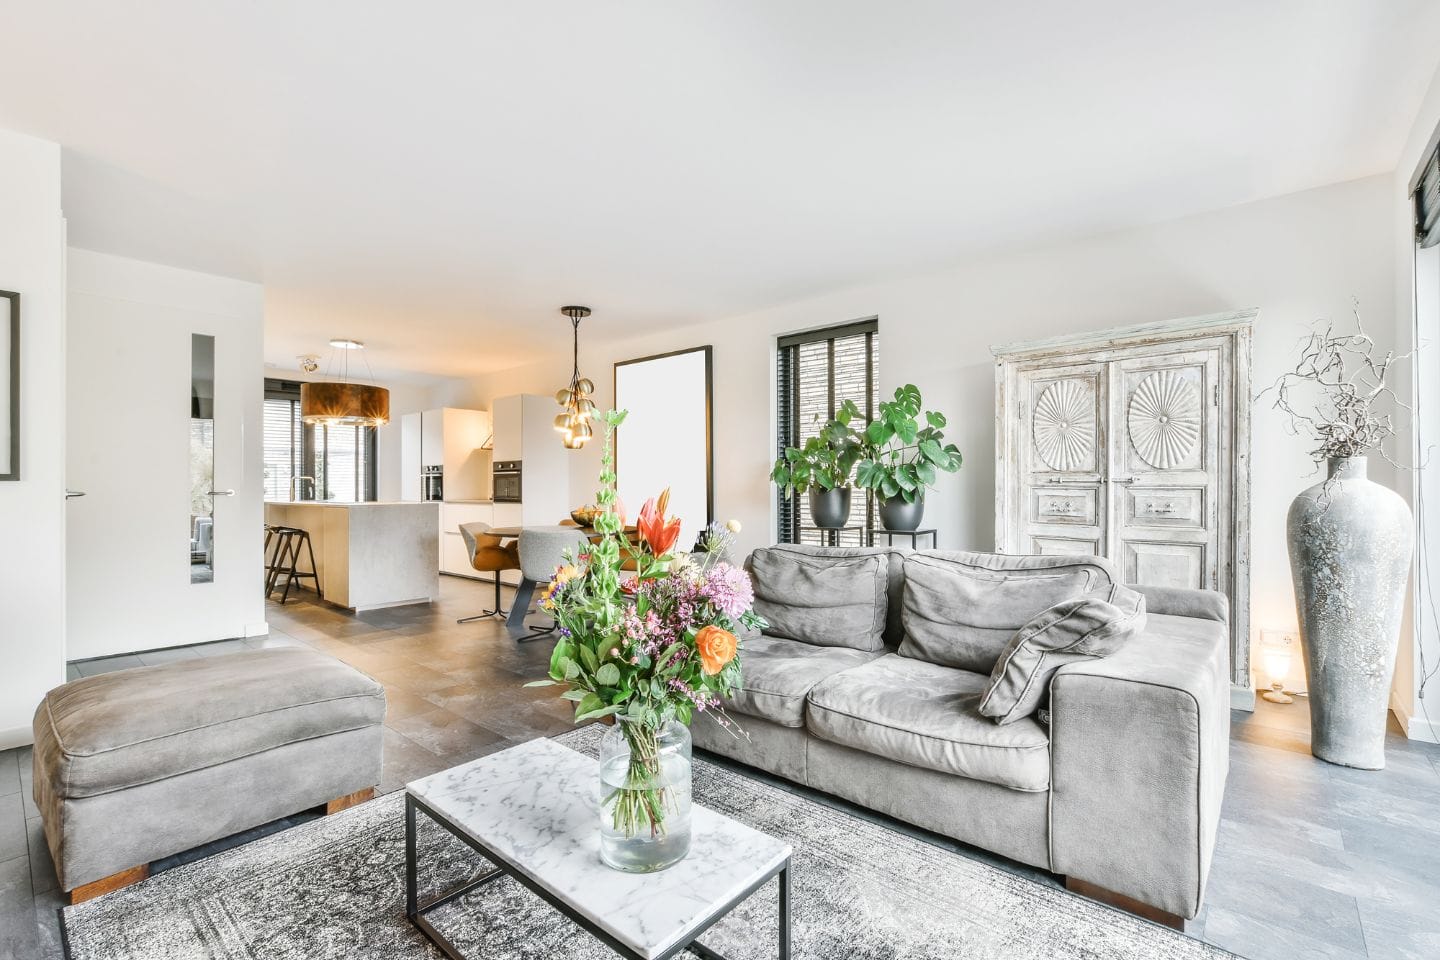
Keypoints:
pixel 588 658
pixel 608 675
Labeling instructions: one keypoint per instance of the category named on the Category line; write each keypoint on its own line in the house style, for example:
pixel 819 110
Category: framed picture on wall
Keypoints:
pixel 9 385
pixel 665 439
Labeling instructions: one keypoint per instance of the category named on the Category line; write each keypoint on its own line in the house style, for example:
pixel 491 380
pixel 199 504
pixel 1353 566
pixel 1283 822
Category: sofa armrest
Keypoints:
pixel 1139 750
pixel 1180 602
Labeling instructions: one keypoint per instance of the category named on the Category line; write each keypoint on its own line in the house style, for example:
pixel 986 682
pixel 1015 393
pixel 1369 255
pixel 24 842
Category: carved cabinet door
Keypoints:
pixel 1061 506
pixel 1164 468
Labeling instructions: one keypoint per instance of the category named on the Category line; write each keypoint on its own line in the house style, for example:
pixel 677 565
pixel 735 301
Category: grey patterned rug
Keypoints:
pixel 334 888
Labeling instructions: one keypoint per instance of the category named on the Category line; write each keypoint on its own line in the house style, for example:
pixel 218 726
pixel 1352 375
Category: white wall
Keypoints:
pixel 1421 646
pixel 1297 258
pixel 404 398
pixel 128 361
pixel 32 509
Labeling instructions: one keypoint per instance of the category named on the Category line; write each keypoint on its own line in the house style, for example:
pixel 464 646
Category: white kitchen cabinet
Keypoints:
pixel 410 456
pixel 508 415
pixel 432 438
pixel 452 439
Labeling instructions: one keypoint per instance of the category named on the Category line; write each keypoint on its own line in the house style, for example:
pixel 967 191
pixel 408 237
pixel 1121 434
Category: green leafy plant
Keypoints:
pixel 902 457
pixel 826 460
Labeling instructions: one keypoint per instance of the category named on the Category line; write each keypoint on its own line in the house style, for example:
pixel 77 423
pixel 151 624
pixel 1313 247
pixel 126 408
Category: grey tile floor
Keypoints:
pixel 1312 860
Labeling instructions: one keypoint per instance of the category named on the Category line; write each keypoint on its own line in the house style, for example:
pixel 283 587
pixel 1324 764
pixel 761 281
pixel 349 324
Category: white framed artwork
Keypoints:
pixel 665 440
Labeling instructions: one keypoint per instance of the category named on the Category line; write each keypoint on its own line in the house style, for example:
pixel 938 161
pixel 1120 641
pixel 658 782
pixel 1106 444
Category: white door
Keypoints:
pixel 163 404
pixel 1062 461
pixel 1164 469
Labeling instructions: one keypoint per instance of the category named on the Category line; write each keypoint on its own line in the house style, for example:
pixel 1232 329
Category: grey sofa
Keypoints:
pixel 867 684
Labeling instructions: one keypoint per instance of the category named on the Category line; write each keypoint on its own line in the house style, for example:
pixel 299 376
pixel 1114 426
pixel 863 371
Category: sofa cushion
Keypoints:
pixel 131 727
pixel 776 674
pixel 1092 626
pixel 928 716
pixel 961 609
pixel 832 598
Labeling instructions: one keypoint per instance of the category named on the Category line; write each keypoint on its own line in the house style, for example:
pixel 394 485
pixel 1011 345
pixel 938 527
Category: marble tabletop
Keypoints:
pixel 536 806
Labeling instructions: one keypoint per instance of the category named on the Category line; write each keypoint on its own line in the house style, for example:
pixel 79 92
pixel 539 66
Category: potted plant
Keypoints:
pixel 1350 542
pixel 902 458
pixel 822 468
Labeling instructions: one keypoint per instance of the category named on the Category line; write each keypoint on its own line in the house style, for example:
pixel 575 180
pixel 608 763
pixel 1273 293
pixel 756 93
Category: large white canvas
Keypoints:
pixel 665 440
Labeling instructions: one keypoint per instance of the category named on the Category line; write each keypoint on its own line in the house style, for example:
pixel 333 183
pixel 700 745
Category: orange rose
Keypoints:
pixel 716 648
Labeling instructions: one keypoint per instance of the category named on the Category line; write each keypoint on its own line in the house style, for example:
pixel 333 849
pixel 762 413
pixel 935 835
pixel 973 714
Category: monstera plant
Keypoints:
pixel 903 457
pixel 822 466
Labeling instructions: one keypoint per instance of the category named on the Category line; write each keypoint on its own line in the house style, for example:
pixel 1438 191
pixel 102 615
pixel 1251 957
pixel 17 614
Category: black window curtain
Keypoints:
pixel 315 462
pixel 816 372
pixel 1427 201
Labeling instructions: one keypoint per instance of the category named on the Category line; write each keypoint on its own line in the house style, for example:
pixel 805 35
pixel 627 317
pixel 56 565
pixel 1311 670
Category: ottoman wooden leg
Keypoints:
pixel 349 800
pixel 89 891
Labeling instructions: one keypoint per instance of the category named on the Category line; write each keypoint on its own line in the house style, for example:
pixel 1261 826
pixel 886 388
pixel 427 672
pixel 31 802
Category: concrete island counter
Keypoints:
pixel 368 555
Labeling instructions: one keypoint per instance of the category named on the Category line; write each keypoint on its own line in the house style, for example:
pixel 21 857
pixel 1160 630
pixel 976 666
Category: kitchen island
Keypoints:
pixel 368 555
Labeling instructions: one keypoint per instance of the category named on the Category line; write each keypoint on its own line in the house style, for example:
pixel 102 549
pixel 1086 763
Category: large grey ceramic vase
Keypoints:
pixel 1350 545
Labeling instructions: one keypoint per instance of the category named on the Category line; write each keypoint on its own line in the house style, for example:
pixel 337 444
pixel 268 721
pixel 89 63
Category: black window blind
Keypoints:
pixel 1427 201
pixel 816 372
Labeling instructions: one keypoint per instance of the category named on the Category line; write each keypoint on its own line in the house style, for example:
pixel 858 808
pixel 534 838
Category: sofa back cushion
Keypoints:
pixel 1092 626
pixel 828 596
pixel 960 609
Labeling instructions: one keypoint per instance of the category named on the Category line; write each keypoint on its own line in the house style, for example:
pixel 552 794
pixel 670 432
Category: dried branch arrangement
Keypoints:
pixel 1344 385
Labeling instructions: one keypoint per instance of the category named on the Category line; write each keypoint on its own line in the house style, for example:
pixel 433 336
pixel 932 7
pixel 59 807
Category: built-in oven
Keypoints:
pixel 506 474
pixel 432 483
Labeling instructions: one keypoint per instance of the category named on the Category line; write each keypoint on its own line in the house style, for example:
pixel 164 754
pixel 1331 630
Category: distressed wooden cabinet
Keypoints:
pixel 1134 444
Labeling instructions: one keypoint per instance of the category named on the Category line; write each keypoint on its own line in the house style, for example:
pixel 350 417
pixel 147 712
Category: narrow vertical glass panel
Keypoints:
pixel 202 458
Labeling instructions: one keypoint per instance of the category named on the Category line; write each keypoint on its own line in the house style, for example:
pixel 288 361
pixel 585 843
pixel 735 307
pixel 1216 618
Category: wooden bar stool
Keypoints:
pixel 286 562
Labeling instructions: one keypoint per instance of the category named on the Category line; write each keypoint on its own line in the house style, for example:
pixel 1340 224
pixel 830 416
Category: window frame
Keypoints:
pixel 313 439
pixel 790 511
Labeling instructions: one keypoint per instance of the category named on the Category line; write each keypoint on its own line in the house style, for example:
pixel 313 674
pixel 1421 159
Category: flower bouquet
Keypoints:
pixel 651 651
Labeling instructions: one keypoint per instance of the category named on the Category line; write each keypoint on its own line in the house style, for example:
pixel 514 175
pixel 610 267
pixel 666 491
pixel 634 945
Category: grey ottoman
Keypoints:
pixel 141 764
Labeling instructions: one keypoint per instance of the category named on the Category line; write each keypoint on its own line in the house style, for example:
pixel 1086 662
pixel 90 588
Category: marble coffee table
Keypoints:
pixel 532 811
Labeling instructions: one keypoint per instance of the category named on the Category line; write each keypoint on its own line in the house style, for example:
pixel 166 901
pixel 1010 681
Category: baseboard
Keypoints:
pixel 1416 727
pixel 1242 698
pixel 16 737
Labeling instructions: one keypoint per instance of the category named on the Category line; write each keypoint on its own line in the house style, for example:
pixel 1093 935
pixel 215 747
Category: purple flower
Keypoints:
pixel 728 588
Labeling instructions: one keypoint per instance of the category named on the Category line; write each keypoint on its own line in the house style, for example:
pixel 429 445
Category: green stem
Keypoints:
pixel 641 802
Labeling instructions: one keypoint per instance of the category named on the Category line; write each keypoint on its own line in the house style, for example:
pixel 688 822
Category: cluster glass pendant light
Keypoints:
pixel 574 422
pixel 345 402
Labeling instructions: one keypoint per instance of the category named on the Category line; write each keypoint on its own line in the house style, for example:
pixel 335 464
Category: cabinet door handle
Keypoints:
pixel 220 493
pixel 1122 480
pixel 72 494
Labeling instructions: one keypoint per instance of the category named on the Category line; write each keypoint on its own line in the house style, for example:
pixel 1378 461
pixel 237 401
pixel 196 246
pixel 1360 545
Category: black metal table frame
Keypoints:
pixel 416 910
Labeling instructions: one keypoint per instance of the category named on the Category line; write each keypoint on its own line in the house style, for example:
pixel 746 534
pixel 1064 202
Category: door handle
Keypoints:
pixel 220 493
pixel 1124 480
pixel 72 494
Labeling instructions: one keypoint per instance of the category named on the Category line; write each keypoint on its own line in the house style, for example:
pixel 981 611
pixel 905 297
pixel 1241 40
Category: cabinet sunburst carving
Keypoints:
pixel 1064 426
pixel 1164 419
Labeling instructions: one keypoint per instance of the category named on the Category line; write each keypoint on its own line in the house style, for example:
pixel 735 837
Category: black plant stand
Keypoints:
pixel 914 536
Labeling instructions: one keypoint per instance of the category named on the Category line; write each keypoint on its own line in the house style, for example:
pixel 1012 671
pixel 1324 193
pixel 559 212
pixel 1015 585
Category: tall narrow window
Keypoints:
pixel 817 372
pixel 304 462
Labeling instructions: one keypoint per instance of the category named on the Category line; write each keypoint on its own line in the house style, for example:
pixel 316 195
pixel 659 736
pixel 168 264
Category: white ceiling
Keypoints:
pixel 437 178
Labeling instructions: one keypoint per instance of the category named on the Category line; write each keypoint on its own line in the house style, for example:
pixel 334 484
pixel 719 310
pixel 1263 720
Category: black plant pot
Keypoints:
pixel 830 509
pixel 896 514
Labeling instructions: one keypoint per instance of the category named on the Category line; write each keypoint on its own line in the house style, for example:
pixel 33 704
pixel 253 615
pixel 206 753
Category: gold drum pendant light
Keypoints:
pixel 577 408
pixel 344 402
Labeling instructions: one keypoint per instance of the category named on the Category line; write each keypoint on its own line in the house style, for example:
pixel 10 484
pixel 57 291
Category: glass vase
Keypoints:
pixel 644 795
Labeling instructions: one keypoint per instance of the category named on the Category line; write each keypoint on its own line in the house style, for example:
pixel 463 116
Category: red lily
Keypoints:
pixel 658 533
